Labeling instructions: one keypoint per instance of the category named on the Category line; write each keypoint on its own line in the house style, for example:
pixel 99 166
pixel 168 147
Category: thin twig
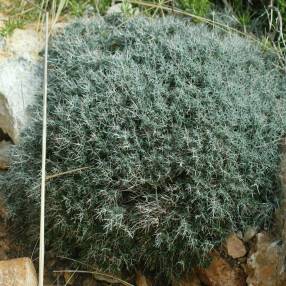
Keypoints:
pixel 93 272
pixel 65 173
pixel 77 261
pixel 104 276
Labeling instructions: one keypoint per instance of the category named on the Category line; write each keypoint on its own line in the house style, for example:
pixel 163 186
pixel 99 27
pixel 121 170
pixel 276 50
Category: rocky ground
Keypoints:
pixel 254 258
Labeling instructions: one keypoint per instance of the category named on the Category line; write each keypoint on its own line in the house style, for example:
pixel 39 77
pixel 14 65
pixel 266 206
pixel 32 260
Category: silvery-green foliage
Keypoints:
pixel 179 126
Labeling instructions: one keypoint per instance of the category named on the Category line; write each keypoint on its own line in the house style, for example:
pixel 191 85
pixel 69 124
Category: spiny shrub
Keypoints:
pixel 177 127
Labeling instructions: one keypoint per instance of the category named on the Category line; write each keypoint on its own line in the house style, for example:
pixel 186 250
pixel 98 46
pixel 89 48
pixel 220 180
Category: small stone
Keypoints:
pixel 141 280
pixel 220 273
pixel 18 272
pixel 20 81
pixel 249 233
pixel 235 247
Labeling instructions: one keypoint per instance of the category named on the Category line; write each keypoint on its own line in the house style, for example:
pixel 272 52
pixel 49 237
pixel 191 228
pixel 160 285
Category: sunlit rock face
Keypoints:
pixel 20 81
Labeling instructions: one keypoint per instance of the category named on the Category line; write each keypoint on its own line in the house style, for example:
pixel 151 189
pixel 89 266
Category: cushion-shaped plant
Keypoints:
pixel 175 129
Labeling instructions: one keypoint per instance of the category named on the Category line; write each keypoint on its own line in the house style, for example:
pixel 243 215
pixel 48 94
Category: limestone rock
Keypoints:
pixel 20 80
pixel 265 266
pixel 221 273
pixel 249 234
pixel 235 247
pixel 17 272
pixel 25 43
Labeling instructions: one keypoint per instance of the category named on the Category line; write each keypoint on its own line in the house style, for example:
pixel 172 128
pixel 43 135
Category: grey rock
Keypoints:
pixel 20 80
